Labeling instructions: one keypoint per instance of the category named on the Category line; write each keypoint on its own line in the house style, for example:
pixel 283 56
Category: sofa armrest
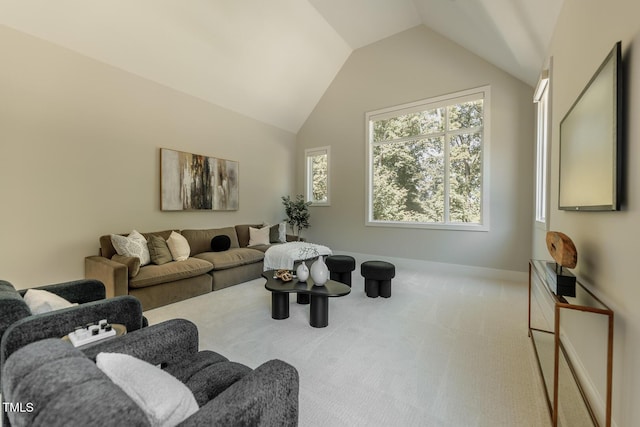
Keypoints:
pixel 126 310
pixel 113 275
pixel 63 388
pixel 268 396
pixel 12 306
pixel 163 344
pixel 77 291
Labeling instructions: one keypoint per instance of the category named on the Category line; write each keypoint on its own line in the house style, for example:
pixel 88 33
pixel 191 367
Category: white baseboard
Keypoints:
pixel 440 267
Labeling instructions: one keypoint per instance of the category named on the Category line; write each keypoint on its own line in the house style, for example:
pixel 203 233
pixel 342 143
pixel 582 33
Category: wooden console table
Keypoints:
pixel 569 402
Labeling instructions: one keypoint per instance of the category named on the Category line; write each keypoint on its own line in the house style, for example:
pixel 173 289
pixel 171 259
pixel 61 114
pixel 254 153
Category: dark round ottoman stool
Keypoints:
pixel 340 268
pixel 377 278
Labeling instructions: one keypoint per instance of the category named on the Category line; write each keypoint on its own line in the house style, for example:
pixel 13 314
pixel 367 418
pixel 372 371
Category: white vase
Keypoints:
pixel 302 272
pixel 319 272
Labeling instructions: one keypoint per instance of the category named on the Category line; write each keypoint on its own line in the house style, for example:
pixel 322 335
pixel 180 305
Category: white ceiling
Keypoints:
pixel 273 60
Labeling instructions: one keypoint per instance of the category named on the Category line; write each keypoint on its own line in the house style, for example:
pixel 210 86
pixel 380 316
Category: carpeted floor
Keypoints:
pixel 449 348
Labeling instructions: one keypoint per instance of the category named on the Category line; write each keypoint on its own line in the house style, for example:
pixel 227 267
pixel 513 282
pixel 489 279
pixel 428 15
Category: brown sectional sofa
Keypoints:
pixel 203 272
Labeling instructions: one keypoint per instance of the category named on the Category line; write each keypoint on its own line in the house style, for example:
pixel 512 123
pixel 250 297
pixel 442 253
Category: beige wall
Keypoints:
pixel 79 157
pixel 608 243
pixel 410 66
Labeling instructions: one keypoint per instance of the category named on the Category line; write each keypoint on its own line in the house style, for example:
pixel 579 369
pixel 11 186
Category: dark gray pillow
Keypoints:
pixel 274 234
pixel 158 250
pixel 220 243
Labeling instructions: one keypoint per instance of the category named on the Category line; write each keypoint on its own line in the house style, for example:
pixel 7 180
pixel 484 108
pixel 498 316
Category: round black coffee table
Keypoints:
pixel 319 310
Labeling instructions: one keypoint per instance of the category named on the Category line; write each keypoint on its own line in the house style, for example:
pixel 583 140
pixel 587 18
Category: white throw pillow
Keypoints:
pixel 259 236
pixel 282 232
pixel 179 246
pixel 164 399
pixel 133 245
pixel 40 301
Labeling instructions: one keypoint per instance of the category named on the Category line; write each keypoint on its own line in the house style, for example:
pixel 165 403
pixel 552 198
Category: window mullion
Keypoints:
pixel 446 166
pixel 410 138
pixel 460 131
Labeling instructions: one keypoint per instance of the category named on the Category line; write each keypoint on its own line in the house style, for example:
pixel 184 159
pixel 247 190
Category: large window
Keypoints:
pixel 317 175
pixel 541 98
pixel 427 163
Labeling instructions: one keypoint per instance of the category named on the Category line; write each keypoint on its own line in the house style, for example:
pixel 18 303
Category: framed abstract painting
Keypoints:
pixel 194 182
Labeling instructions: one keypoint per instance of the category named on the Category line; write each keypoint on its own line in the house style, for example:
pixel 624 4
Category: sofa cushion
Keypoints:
pixel 262 248
pixel 178 246
pixel 158 250
pixel 133 245
pixel 106 246
pixel 200 240
pixel 242 231
pixel 278 233
pixel 258 236
pixel 152 274
pixel 232 258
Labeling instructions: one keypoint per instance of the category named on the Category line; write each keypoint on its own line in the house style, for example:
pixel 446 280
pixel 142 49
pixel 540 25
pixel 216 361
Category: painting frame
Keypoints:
pixel 194 182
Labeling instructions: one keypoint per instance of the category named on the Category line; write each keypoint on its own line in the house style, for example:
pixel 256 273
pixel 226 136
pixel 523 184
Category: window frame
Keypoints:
pixel 309 154
pixel 484 93
pixel 541 191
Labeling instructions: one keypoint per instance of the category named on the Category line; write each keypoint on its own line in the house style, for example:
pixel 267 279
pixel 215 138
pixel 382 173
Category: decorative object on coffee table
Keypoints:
pixel 319 272
pixel 377 278
pixel 340 268
pixel 563 251
pixel 302 272
pixel 284 275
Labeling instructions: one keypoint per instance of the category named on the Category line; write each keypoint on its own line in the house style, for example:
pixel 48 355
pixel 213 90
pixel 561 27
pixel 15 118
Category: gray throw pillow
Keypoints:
pixel 158 249
pixel 274 233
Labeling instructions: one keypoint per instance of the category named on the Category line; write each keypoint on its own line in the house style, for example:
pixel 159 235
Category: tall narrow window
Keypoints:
pixel 427 164
pixel 541 98
pixel 317 175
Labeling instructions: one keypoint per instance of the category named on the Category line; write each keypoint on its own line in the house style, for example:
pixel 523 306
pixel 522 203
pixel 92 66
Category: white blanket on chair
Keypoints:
pixel 284 255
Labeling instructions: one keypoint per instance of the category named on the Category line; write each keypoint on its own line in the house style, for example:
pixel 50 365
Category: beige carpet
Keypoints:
pixel 449 348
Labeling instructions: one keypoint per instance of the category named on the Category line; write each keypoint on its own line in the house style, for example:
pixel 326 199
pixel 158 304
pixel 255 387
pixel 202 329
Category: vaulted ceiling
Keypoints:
pixel 272 60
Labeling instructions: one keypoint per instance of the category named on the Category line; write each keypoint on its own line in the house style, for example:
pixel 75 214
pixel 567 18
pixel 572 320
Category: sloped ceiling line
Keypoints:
pixel 273 61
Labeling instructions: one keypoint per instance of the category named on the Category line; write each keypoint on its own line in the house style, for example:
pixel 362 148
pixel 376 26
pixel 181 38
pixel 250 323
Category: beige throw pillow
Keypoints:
pixel 258 236
pixel 178 246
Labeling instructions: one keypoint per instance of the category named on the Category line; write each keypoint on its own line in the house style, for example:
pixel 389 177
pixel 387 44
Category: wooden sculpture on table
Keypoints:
pixel 564 252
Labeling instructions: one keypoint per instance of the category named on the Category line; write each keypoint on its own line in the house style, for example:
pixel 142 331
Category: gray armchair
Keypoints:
pixel 13 307
pixel 66 388
pixel 18 327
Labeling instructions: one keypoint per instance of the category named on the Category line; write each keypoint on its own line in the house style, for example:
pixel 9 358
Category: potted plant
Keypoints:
pixel 297 212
